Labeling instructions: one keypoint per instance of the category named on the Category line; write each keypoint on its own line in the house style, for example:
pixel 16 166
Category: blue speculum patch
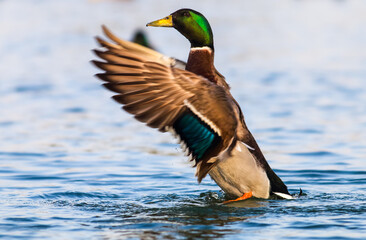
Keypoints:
pixel 197 135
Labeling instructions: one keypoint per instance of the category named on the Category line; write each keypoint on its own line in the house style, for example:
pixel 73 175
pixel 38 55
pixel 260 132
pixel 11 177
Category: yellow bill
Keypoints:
pixel 164 22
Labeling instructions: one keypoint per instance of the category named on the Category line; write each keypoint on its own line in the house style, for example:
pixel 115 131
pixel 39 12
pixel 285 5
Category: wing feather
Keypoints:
pixel 121 78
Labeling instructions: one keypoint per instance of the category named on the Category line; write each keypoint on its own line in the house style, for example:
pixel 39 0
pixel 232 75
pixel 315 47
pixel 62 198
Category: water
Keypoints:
pixel 74 166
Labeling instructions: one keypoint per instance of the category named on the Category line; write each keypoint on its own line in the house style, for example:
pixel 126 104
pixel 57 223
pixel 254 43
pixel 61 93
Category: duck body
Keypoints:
pixel 193 103
pixel 237 170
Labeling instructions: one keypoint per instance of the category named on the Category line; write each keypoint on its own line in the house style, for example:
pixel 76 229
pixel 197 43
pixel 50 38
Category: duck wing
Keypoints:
pixel 156 92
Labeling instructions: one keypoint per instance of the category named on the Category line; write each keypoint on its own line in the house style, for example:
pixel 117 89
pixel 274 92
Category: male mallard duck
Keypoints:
pixel 193 101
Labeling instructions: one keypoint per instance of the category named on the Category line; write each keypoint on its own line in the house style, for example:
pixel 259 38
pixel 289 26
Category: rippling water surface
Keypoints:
pixel 74 166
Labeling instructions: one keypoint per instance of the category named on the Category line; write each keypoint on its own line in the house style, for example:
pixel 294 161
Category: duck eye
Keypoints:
pixel 186 14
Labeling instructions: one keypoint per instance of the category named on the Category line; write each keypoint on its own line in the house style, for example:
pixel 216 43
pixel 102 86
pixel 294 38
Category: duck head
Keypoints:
pixel 191 24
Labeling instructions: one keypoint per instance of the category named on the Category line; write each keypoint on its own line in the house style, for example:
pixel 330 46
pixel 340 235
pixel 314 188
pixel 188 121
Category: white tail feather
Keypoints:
pixel 283 195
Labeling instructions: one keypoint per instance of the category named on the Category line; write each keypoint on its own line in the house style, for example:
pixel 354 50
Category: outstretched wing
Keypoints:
pixel 168 98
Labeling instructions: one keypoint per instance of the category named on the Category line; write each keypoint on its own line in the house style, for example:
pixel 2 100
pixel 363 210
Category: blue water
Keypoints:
pixel 74 166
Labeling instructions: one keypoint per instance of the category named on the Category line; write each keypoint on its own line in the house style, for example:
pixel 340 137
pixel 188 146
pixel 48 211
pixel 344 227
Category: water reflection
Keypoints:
pixel 184 219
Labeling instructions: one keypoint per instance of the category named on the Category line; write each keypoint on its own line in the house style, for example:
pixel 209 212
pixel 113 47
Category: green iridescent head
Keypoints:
pixel 192 24
pixel 140 38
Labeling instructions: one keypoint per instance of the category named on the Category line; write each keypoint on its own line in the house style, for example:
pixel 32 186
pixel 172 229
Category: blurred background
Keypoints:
pixel 73 165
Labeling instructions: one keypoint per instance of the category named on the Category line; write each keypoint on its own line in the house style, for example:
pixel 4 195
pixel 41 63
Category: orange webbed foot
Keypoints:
pixel 245 196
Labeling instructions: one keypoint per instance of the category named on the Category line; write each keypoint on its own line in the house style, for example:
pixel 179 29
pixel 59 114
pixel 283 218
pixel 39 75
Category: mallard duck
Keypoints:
pixel 193 101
